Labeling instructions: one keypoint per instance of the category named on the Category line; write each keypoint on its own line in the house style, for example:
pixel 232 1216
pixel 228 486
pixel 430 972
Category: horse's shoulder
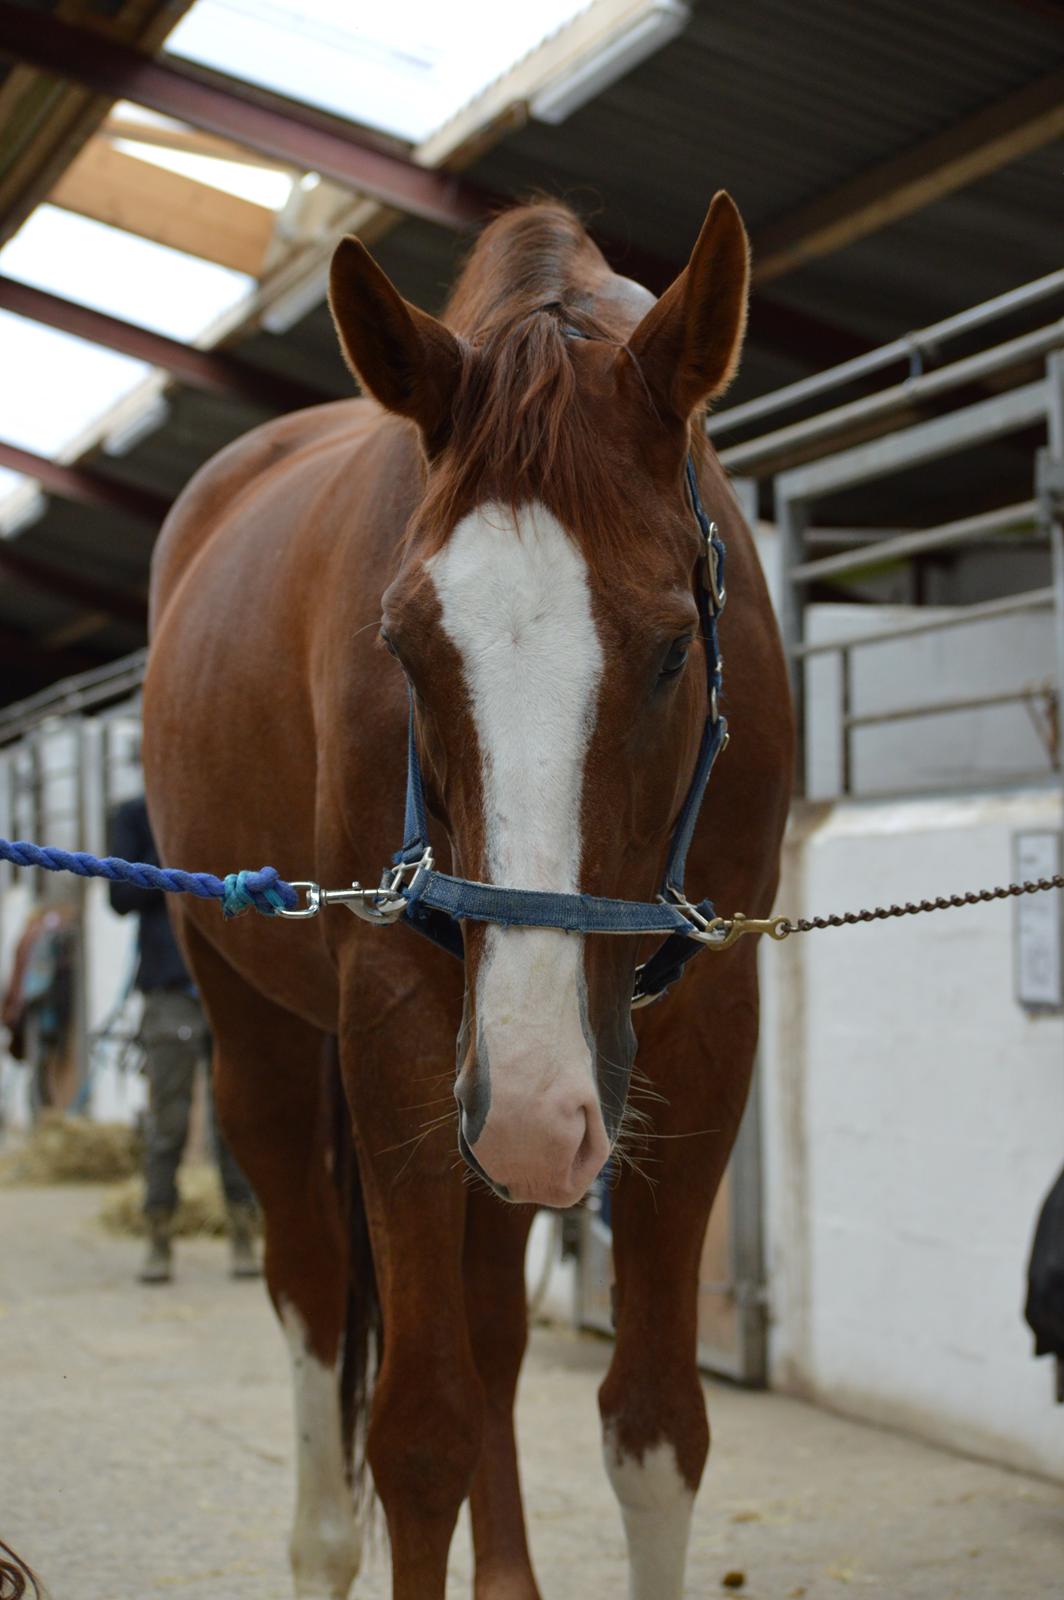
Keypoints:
pixel 213 491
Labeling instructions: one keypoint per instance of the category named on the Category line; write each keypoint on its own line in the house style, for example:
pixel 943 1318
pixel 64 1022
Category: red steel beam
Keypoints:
pixel 85 592
pixel 289 135
pixel 215 370
pixel 41 667
pixel 91 488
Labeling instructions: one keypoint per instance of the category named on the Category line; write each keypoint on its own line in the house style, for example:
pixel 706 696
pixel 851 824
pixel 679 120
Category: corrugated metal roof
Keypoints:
pixel 964 249
pixel 778 103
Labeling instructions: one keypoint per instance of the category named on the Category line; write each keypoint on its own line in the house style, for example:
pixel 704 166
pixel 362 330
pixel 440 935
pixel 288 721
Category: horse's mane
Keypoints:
pixel 521 429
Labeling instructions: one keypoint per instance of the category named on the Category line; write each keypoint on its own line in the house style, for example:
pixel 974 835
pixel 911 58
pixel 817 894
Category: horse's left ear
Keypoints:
pixel 687 346
pixel 403 357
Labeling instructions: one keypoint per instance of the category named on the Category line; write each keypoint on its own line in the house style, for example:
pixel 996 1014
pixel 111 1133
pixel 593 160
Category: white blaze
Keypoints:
pixel 326 1546
pixel 656 1505
pixel 517 606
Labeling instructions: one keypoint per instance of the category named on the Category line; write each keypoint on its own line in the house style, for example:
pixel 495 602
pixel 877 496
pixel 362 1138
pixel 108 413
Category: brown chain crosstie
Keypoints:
pixel 732 928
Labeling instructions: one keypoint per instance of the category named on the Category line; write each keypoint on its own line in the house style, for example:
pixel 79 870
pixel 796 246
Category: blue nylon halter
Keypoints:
pixel 438 903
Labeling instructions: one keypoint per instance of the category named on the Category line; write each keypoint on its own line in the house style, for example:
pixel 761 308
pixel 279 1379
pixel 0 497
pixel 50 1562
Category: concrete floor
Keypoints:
pixel 145 1450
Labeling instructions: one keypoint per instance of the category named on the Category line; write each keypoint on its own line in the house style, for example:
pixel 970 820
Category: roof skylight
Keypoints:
pixel 67 385
pixel 121 273
pixel 405 68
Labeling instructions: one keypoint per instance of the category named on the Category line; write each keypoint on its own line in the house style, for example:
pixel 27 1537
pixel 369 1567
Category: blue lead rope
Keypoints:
pixel 264 891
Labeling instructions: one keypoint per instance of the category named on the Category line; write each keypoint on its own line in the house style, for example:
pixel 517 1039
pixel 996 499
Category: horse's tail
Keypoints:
pixel 362 1336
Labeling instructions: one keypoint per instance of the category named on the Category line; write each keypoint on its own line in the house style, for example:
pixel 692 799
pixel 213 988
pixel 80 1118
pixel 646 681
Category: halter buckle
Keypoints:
pixel 638 1001
pixel 716 588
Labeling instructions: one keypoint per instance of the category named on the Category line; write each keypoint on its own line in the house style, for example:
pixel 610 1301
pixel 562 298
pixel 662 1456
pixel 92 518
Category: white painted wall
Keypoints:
pixel 914 1118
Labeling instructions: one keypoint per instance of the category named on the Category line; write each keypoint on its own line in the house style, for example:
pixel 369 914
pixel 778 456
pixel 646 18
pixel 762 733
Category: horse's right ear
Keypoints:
pixel 403 357
pixel 687 346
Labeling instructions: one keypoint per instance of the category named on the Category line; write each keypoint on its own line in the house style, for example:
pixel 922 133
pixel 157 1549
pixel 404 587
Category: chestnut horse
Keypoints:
pixel 503 530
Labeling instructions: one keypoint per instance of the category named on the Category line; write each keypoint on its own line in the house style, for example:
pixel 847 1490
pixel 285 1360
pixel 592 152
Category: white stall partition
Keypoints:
pixel 914 1119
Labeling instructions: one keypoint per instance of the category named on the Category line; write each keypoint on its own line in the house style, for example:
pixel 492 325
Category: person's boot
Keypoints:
pixel 241 1220
pixel 157 1267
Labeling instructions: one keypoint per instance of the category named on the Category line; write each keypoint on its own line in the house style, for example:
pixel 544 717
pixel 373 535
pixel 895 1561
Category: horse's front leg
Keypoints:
pixel 655 1430
pixel 496 1237
pixel 273 1092
pixel 427 1410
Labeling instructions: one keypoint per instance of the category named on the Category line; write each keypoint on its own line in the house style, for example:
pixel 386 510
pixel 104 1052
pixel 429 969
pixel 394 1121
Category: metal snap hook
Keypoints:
pixel 313 901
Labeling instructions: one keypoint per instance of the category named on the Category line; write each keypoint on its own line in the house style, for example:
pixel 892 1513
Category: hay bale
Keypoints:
pixel 202 1208
pixel 63 1149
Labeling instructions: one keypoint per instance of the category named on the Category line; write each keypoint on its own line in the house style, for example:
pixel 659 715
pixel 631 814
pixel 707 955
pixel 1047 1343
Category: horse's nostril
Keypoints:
pixel 473 1094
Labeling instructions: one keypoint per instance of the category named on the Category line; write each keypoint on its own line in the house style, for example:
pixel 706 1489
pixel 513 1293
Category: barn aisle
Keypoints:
pixel 146 1452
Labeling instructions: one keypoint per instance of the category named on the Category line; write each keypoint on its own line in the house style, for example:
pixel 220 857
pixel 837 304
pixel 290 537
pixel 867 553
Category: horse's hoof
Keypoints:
pixel 325 1559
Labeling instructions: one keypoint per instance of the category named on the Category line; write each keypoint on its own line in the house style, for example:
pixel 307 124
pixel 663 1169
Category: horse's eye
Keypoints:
pixel 388 645
pixel 676 659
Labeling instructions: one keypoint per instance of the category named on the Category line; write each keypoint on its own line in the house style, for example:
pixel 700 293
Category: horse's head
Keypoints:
pixel 544 613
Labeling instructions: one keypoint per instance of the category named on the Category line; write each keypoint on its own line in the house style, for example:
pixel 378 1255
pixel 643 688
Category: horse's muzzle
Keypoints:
pixel 545 1150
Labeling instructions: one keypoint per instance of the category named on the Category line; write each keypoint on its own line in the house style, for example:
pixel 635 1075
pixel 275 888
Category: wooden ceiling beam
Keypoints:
pixel 970 150
pixel 186 141
pixel 213 370
pixel 81 484
pixel 44 123
pixel 167 207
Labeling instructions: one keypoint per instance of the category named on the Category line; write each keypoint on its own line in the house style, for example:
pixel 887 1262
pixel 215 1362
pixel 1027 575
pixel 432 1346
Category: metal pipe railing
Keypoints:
pixel 80 693
pixel 865 366
pixel 959 617
pixel 933 708
pixel 968 530
pixel 771 449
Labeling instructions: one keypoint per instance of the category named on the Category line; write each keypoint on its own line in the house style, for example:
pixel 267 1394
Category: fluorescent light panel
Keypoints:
pixel 625 50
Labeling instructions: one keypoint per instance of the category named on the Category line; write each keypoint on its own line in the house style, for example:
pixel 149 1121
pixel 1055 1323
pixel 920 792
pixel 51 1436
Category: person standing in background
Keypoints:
pixel 174 1037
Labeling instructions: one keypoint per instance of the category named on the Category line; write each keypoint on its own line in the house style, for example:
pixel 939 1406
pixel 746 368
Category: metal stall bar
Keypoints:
pixel 957 617
pixel 903 349
pixel 934 708
pixel 968 530
pixel 1033 697
pixel 911 447
pixel 81 693
pixel 758 454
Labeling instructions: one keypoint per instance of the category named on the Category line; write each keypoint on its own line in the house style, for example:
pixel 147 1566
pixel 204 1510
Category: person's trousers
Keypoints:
pixel 175 1039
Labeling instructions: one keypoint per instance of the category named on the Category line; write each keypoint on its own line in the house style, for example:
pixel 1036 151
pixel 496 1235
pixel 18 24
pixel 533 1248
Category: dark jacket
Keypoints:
pixel 159 965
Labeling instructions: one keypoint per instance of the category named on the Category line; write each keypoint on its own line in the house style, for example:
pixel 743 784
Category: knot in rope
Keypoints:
pixel 263 891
